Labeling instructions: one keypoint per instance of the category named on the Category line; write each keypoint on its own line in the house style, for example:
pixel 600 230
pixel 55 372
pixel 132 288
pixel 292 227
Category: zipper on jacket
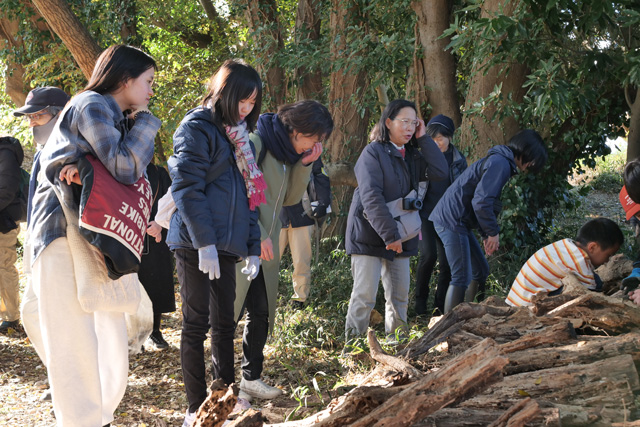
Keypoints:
pixel 273 220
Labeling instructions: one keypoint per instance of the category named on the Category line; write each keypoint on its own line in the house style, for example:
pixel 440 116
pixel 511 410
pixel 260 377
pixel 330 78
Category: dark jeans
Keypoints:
pixel 431 249
pixel 256 328
pixel 465 257
pixel 206 304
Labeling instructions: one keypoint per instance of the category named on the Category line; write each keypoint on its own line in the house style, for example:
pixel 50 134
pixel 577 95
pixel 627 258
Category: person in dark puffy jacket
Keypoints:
pixel 11 156
pixel 217 186
pixel 473 202
pixel 441 129
pixel 399 157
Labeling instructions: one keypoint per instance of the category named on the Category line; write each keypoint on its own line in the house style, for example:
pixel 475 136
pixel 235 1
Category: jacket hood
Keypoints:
pixel 199 113
pixel 12 144
pixel 504 151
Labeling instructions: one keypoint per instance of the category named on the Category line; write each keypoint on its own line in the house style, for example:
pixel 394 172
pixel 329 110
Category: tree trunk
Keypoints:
pixel 263 15
pixel 434 72
pixel 73 34
pixel 632 96
pixel 14 76
pixel 481 129
pixel 307 31
pixel 348 87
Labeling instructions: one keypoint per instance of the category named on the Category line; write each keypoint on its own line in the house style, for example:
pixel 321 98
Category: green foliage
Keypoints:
pixel 579 57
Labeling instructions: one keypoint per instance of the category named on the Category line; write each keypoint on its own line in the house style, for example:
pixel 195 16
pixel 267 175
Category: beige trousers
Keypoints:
pixel 299 240
pixel 9 280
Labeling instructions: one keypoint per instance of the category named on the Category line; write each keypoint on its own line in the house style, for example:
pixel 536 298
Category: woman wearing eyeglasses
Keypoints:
pixel 399 157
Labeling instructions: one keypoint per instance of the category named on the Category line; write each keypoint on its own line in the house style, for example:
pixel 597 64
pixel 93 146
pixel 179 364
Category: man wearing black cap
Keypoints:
pixel 41 110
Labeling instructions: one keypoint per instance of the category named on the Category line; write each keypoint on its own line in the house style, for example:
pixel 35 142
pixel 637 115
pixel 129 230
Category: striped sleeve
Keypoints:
pixel 546 268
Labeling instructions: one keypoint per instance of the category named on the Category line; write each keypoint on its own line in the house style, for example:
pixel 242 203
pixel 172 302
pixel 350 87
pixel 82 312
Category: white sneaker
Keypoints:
pixel 189 418
pixel 259 389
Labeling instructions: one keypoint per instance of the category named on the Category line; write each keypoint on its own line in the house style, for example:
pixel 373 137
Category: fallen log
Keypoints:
pixel 461 378
pixel 519 414
pixel 217 406
pixel 580 352
pixel 482 417
pixel 449 324
pixel 562 331
pixel 602 312
pixel 250 418
pixel 609 383
pixel 379 355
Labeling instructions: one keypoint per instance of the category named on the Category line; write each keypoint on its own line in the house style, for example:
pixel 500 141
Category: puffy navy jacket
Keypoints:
pixel 471 199
pixel 214 213
pixel 383 176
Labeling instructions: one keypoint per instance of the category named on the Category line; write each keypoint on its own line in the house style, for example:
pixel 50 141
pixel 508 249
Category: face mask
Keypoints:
pixel 41 133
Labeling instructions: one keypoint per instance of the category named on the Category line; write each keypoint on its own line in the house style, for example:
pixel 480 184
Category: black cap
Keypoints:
pixel 443 120
pixel 42 97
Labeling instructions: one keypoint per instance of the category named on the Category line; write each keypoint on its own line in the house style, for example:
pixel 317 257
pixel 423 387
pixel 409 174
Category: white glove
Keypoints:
pixel 252 267
pixel 208 261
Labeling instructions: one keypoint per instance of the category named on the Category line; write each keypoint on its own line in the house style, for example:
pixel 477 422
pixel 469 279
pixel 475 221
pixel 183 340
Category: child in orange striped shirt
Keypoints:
pixel 596 241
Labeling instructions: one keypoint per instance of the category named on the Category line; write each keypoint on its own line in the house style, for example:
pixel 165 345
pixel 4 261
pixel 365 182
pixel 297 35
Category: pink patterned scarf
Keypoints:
pixel 247 166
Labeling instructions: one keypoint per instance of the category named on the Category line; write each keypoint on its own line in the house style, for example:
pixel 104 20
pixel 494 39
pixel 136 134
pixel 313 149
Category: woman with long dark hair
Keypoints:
pixel 217 187
pixel 86 352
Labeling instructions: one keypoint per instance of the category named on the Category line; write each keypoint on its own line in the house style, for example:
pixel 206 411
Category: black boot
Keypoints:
pixel 421 307
pixel 455 295
pixel 471 292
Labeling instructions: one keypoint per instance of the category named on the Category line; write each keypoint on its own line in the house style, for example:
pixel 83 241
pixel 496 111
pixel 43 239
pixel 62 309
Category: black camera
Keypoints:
pixel 409 204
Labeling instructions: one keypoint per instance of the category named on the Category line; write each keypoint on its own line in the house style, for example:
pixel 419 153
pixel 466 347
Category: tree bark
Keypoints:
pixel 72 33
pixel 263 15
pixel 632 95
pixel 580 385
pixel 307 31
pixel 348 87
pixel 14 77
pixel 461 378
pixel 519 414
pixel 434 71
pixel 579 352
pixel 217 406
pixel 481 130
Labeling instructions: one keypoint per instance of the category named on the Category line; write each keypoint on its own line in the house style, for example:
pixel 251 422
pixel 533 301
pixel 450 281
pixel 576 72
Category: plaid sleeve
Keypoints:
pixel 125 153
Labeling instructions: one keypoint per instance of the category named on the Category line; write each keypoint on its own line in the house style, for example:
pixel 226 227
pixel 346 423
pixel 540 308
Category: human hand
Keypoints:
pixel 395 246
pixel 135 109
pixel 319 211
pixel 266 249
pixel 208 261
pixel 491 244
pixel 69 173
pixel 312 155
pixel 421 129
pixel 635 296
pixel 252 267
pixel 154 230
